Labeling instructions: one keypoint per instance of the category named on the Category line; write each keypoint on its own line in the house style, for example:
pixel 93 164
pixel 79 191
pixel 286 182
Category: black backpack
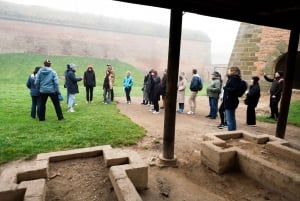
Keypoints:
pixel 242 88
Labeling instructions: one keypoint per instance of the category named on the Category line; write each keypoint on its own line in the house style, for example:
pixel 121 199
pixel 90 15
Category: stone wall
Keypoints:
pixel 142 51
pixel 257 49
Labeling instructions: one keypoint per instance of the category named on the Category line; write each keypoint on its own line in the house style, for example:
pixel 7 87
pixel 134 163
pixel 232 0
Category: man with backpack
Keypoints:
pixel 195 86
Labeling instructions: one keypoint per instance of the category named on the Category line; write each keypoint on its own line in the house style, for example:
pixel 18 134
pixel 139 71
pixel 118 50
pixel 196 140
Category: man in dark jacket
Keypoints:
pixel 275 92
pixel 72 86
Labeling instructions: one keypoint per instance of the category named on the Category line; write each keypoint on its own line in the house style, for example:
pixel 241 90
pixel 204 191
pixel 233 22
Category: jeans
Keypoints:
pixel 230 118
pixel 127 92
pixel 35 106
pixel 213 104
pixel 71 101
pixel 106 95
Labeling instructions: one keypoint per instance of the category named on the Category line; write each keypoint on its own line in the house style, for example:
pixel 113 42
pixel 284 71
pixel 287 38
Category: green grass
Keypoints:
pixel 91 124
pixel 293 116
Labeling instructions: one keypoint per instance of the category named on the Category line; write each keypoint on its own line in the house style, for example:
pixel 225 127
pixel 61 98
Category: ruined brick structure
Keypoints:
pixel 259 49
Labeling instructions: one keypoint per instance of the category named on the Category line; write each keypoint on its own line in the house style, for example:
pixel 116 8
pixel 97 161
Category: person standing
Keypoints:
pixel 155 92
pixel 182 83
pixel 89 81
pixel 213 91
pixel 145 88
pixel 194 87
pixel 34 93
pixel 47 84
pixel 112 80
pixel 65 84
pixel 230 97
pixel 163 88
pixel 72 86
pixel 108 86
pixel 252 98
pixel 275 93
pixel 127 84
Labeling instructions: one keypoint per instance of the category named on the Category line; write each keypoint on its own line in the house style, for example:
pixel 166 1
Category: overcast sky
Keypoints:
pixel 221 32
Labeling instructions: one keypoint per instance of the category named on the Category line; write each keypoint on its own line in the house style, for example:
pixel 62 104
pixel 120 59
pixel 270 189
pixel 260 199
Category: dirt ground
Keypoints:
pixel 86 179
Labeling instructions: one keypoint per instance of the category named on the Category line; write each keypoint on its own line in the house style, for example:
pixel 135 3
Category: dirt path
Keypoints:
pixel 190 181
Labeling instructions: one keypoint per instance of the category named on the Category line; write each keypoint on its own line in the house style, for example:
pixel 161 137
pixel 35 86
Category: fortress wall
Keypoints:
pixel 142 51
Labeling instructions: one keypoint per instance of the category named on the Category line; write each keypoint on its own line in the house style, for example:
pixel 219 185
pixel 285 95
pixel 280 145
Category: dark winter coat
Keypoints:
pixel 71 82
pixel 155 89
pixel 276 87
pixel 89 78
pixel 253 95
pixel 230 97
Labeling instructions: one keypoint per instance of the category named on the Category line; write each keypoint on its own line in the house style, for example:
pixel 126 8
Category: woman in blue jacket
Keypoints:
pixel 127 84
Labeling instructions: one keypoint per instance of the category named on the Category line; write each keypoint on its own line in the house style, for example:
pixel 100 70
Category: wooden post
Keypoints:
pixel 288 83
pixel 168 158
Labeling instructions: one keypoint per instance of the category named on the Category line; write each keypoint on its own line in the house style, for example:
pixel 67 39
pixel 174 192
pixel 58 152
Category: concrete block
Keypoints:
pixel 125 190
pixel 74 153
pixel 115 157
pixel 35 189
pixel 218 159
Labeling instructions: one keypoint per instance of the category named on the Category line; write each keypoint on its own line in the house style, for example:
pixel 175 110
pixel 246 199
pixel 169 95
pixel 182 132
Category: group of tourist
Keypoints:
pixel 227 94
pixel 43 83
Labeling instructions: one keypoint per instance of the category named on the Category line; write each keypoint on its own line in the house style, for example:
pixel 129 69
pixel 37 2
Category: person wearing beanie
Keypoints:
pixel 47 84
pixel 275 93
pixel 252 98
pixel 72 86
pixel 89 82
pixel 213 91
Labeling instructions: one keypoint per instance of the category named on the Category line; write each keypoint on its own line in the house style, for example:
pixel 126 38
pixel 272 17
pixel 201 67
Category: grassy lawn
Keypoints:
pixel 91 125
pixel 293 117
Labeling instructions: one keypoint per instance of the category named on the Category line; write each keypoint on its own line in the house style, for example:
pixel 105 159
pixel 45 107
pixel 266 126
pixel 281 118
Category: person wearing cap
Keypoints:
pixel 72 86
pixel 252 98
pixel 213 91
pixel 89 81
pixel 275 93
pixel 47 84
